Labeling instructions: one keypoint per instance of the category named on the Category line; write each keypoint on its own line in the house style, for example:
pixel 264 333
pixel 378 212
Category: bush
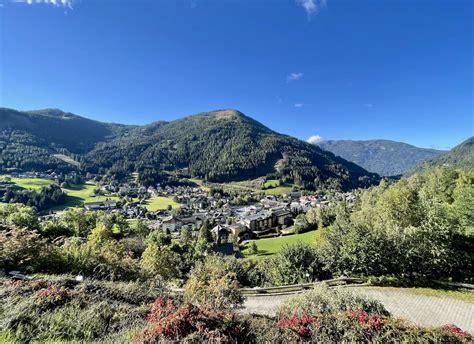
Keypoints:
pixel 188 322
pixel 325 300
pixel 213 286
pixel 298 263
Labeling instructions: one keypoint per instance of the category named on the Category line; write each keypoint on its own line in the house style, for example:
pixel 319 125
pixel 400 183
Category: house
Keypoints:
pixel 171 224
pixel 223 232
pixel 104 205
pixel 283 217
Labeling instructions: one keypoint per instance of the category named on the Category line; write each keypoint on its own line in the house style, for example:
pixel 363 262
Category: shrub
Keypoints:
pixel 213 286
pixel 27 251
pixel 188 322
pixel 323 300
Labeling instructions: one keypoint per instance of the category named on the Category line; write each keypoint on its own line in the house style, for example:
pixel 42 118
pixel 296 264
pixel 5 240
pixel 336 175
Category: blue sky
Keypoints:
pixel 394 69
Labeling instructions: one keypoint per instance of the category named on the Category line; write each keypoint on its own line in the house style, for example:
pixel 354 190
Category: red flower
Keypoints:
pixel 300 325
pixel 161 308
pixel 456 330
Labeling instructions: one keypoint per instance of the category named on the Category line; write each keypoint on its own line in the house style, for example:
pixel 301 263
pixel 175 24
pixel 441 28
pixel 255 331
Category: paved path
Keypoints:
pixel 419 309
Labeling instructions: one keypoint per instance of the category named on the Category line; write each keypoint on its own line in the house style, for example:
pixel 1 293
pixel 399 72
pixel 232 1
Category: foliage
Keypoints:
pixel 324 300
pixel 24 250
pixel 297 263
pixel 18 215
pixel 188 322
pixel 160 260
pixel 411 228
pixel 46 198
pixel 213 285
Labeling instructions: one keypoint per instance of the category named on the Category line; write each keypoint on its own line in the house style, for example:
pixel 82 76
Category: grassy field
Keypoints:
pixel 160 203
pixel 67 159
pixel 32 183
pixel 271 183
pixel 455 293
pixel 278 190
pixel 268 247
pixel 79 194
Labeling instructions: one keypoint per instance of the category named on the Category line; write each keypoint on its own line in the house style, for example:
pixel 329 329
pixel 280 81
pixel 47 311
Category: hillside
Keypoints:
pixel 384 157
pixel 461 156
pixel 218 146
pixel 29 140
pixel 222 146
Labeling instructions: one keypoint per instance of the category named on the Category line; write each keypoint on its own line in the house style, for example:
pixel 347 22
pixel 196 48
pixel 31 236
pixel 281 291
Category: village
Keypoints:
pixel 229 219
pixel 266 217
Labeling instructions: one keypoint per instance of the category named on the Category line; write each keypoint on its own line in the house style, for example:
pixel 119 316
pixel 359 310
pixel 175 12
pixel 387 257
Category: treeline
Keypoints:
pixel 43 199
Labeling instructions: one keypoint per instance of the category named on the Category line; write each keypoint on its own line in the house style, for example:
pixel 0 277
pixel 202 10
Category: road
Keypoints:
pixel 418 309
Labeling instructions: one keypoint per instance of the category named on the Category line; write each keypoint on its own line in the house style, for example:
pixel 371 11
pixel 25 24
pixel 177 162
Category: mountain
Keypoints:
pixel 31 139
pixel 384 157
pixel 218 146
pixel 461 156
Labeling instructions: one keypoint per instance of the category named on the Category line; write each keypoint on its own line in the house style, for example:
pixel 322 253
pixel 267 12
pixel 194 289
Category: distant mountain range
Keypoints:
pixel 222 145
pixel 384 157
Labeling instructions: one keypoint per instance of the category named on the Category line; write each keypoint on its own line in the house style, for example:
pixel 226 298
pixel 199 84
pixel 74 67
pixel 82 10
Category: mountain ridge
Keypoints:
pixel 381 156
pixel 220 145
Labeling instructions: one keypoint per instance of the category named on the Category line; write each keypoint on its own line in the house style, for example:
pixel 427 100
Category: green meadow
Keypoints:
pixel 269 247
pixel 160 203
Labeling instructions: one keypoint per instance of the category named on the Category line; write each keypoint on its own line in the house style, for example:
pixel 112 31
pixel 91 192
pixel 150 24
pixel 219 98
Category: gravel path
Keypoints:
pixel 419 309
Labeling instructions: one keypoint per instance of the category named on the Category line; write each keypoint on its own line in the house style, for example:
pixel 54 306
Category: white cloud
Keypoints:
pixel 315 139
pixel 369 105
pixel 312 6
pixel 294 77
pixel 56 3
pixel 299 104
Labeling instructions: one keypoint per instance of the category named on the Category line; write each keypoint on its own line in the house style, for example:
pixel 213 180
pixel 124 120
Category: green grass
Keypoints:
pixel 278 190
pixel 160 203
pixel 67 159
pixel 79 194
pixel 454 293
pixel 271 246
pixel 32 183
pixel 271 183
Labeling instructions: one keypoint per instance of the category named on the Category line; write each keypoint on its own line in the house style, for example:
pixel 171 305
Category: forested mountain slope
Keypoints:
pixel 29 140
pixel 461 156
pixel 218 146
pixel 222 146
pixel 384 157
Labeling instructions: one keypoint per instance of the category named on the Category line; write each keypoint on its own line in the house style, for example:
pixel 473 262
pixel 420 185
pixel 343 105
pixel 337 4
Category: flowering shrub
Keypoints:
pixel 161 308
pixel 370 322
pixel 457 331
pixel 188 321
pixel 298 324
pixel 54 296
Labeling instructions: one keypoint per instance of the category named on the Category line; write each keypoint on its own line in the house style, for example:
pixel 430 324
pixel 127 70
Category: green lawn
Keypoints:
pixel 160 203
pixel 32 183
pixel 79 194
pixel 271 183
pixel 278 190
pixel 268 247
pixel 454 293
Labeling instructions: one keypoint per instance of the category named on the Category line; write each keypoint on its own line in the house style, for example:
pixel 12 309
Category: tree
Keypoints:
pixel 253 249
pixel 185 235
pixel 212 284
pixel 18 215
pixel 161 261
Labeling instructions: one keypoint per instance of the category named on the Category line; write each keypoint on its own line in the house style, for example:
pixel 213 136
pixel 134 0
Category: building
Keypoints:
pixel 104 205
